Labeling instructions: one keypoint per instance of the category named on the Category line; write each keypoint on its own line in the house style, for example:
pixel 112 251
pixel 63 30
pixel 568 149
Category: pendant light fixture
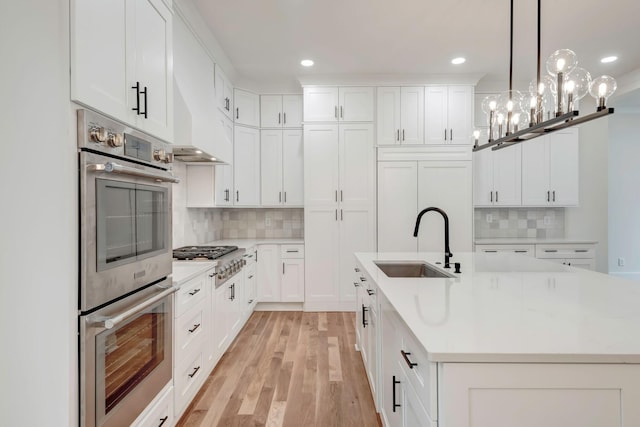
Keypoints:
pixel 551 104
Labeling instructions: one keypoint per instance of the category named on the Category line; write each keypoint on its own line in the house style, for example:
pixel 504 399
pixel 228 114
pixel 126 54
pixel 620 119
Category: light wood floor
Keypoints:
pixel 288 369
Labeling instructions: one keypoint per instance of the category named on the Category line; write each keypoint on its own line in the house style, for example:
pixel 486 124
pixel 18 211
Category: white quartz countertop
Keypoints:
pixel 247 243
pixel 514 308
pixel 532 241
pixel 184 271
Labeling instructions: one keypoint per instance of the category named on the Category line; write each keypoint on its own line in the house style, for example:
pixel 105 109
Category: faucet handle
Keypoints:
pixel 457 267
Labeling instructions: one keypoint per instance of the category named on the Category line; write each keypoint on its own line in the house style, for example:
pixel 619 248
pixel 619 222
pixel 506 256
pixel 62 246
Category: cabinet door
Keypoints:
pixel 292 111
pixel 397 206
pixel 236 304
pixel 224 93
pixel 292 168
pixel 269 273
pixel 321 245
pixel 483 177
pixel 153 65
pixel 223 143
pixel 507 176
pixel 435 119
pixel 271 167
pixel 246 166
pixel 100 23
pixel 412 115
pixel 221 320
pixel 454 198
pixel 292 286
pixel 391 372
pixel 271 111
pixel 223 185
pixel 564 164
pixel 388 115
pixel 200 186
pixel 321 104
pixel 357 165
pixel 535 172
pixel 460 114
pixel 356 104
pixel 246 108
pixel 357 234
pixel 321 165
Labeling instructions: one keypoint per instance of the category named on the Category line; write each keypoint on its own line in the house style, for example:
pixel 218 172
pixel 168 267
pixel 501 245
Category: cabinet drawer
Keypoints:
pixel 420 372
pixel 191 329
pixel 519 249
pixel 191 293
pixel 291 251
pixel 250 271
pixel 565 251
pixel 161 413
pixel 188 379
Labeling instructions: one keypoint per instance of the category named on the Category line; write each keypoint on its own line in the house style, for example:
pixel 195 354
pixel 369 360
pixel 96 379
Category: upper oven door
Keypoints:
pixel 125 227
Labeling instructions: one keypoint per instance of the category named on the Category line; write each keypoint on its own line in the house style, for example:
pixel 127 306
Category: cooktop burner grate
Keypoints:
pixel 202 252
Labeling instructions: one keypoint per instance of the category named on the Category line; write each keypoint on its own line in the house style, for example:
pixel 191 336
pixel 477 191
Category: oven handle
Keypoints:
pixel 112 167
pixel 110 322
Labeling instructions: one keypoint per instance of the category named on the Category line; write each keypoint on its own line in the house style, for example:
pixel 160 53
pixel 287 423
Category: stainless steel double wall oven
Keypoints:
pixel 125 295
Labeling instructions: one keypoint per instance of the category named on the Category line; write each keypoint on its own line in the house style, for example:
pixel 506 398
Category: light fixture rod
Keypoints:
pixel 511 55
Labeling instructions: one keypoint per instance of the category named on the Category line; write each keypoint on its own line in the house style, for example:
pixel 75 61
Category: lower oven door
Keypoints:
pixel 125 356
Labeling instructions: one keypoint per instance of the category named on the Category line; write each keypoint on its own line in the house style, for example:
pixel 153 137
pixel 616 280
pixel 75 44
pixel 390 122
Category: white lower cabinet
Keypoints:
pixel 281 273
pixel 160 412
pixel 367 330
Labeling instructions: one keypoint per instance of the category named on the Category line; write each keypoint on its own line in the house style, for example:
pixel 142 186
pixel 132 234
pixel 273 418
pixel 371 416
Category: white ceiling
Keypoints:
pixel 266 39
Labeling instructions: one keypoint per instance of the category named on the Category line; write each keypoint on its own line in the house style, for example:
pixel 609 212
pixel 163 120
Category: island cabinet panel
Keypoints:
pixel 528 395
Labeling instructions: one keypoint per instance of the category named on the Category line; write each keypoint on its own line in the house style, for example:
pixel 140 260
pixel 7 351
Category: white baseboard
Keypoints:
pixel 278 306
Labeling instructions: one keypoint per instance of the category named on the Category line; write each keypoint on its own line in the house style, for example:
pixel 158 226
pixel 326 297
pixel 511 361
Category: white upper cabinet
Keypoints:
pixel 278 111
pixel 332 104
pixel 137 85
pixel 282 167
pixel 449 115
pixel 397 206
pixel 498 177
pixel 400 115
pixel 246 166
pixel 223 185
pixel 247 108
pixel 224 93
pixel 550 169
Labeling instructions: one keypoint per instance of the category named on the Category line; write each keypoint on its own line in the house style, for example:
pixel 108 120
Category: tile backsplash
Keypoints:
pixel 518 222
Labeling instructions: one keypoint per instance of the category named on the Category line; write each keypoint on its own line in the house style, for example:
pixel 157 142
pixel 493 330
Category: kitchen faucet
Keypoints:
pixel 447 251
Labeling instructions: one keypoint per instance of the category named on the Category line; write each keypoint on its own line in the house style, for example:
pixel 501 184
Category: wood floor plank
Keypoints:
pixel 288 369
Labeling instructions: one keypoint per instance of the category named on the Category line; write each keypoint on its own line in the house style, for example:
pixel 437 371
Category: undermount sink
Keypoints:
pixel 410 269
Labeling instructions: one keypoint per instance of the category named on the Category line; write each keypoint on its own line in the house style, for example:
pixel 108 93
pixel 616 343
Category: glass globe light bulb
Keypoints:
pixel 570 86
pixel 488 102
pixel 533 102
pixel 500 119
pixel 581 79
pixel 561 61
pixel 476 134
pixel 602 88
pixel 510 106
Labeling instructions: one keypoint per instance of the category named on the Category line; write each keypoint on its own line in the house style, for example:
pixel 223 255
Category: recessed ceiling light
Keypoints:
pixel 458 61
pixel 306 63
pixel 608 59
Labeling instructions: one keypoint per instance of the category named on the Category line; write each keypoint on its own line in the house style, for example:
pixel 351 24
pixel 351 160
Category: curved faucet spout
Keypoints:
pixel 447 250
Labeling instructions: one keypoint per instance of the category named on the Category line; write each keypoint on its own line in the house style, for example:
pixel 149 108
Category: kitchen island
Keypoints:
pixel 510 341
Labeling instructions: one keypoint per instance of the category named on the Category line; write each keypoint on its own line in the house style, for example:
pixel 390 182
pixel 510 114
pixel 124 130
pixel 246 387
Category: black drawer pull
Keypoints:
pixel 163 420
pixel 362 279
pixel 195 291
pixel 521 252
pixel 195 371
pixel 370 292
pixel 406 359
pixel 490 252
pixel 195 327
pixel 395 405
pixel 582 250
pixel 357 270
pixel 551 250
pixel 289 251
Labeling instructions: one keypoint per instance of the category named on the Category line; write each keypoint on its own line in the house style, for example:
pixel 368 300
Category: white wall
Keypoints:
pixel 38 219
pixel 624 195
pixel 589 220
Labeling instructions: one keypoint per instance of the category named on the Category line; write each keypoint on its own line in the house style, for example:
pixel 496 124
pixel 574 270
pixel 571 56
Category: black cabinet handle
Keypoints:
pixel 279 116
pixel 285 197
pixel 520 252
pixel 370 292
pixel 283 268
pixel 445 134
pixel 285 118
pixel 237 195
pixel 364 316
pixel 195 291
pixel 548 196
pixel 398 135
pixel 554 195
pixel 496 196
pixel 195 371
pixel 403 134
pixel 231 292
pixel 491 197
pixel 357 270
pixel 406 359
pixel 237 113
pixel 137 107
pixel 393 385
pixel 146 95
pixel 163 420
pixel 356 284
pixel 451 135
pixel 195 327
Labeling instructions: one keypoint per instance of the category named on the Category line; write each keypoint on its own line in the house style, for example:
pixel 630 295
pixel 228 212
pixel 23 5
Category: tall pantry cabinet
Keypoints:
pixel 339 216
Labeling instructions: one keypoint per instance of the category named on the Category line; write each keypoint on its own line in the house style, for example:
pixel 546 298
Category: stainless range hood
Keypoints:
pixel 193 155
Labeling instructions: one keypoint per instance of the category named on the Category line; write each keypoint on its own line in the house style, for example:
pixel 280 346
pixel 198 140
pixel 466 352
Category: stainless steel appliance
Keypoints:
pixel 229 259
pixel 125 292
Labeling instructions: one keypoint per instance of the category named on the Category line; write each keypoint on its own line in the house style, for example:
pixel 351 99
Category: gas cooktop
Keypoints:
pixel 202 252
